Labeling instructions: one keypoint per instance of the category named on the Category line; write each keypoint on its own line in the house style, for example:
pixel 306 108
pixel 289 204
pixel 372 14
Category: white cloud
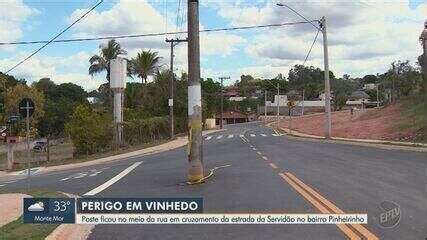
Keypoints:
pixel 12 16
pixel 364 37
pixel 71 68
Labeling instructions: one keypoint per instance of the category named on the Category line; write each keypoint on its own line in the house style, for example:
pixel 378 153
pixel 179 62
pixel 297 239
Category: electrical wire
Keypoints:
pixel 156 34
pixel 311 47
pixel 53 39
pixel 297 13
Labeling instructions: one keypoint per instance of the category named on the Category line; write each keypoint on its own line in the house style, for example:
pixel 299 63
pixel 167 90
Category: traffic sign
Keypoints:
pixel 24 105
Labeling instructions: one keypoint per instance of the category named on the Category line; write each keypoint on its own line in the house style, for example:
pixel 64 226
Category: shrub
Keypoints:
pixel 138 131
pixel 89 132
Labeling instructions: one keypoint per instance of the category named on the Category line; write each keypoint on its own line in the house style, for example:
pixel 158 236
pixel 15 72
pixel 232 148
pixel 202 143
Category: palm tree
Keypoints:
pixel 144 64
pixel 101 62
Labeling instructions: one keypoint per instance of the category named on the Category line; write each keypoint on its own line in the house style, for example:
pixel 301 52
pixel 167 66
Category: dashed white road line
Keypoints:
pixel 80 175
pixel 259 152
pixel 241 135
pixel 230 136
pixel 264 157
pixel 219 137
pixel 254 149
pixel 2 185
pixel 252 135
pixel 262 134
pixel 110 182
pixel 208 137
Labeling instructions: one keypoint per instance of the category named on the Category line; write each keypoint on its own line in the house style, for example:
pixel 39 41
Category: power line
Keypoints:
pixel 297 13
pixel 53 39
pixel 311 47
pixel 157 34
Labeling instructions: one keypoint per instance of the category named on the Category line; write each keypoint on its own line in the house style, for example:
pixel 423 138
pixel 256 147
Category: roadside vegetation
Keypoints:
pixel 18 230
pixel 63 111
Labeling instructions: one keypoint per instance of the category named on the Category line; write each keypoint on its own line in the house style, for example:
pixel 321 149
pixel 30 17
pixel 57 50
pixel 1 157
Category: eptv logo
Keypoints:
pixel 391 214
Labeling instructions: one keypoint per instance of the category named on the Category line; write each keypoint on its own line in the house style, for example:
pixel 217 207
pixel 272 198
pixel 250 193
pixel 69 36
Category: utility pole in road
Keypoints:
pixel 173 43
pixel 195 155
pixel 327 84
pixel 222 99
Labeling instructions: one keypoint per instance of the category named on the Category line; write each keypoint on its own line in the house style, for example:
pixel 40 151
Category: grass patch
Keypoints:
pixel 415 112
pixel 18 230
pixel 65 150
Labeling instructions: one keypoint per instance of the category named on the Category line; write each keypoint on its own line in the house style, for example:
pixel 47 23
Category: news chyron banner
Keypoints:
pixel 160 211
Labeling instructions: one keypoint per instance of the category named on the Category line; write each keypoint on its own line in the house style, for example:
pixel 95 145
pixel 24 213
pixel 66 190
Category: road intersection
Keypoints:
pixel 265 173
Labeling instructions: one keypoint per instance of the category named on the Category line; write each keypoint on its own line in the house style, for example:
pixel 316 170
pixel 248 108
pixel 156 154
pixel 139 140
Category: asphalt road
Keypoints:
pixel 268 173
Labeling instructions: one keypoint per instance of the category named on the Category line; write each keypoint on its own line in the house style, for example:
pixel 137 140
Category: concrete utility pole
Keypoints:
pixel 327 84
pixel 117 84
pixel 378 95
pixel 222 99
pixel 278 105
pixel 173 43
pixel 265 105
pixel 195 154
pixel 423 39
pixel 302 111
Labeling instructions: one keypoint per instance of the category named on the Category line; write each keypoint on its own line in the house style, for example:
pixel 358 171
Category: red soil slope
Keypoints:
pixel 368 124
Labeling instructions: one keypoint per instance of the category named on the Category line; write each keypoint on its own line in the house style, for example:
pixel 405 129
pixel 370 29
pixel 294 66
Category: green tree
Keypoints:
pixel 60 103
pixel 101 62
pixel 144 64
pixel 309 79
pixel 342 89
pixel 15 94
pixel 89 132
pixel 211 97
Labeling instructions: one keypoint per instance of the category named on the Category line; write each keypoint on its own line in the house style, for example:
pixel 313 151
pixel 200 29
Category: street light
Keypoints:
pixel 321 27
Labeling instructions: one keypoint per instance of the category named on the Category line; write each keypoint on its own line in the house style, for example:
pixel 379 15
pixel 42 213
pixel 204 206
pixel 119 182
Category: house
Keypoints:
pixel 231 117
pixel 93 100
pixel 358 98
pixel 231 91
pixel 369 86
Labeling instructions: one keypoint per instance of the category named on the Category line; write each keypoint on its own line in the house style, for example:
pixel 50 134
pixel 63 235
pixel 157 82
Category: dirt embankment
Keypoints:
pixel 368 124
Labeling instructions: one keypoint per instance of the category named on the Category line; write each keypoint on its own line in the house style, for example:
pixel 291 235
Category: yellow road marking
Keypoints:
pixel 345 229
pixel 334 208
pixel 272 165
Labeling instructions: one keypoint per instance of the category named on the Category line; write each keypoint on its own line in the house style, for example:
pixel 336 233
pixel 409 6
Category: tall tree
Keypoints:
pixel 101 62
pixel 144 64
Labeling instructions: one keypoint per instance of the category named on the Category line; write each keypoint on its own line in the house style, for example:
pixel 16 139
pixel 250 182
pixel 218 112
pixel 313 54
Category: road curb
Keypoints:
pixel 176 143
pixel 385 144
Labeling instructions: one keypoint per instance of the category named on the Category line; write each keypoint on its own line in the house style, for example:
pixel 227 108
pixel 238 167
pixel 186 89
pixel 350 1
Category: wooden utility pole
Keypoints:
pixel 173 43
pixel 222 99
pixel 195 154
pixel 327 84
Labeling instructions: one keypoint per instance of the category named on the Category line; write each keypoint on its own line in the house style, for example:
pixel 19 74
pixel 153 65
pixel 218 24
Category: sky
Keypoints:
pixel 364 37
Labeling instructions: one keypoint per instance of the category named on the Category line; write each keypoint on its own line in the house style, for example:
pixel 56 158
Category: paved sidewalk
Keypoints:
pixel 178 142
pixel 10 207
